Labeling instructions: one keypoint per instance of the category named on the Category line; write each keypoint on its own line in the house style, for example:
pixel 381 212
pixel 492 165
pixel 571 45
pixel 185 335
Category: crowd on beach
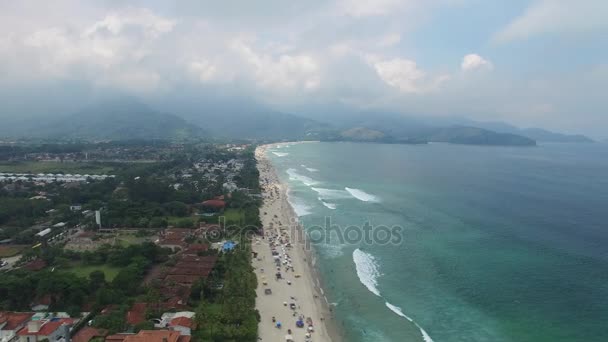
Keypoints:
pixel 289 306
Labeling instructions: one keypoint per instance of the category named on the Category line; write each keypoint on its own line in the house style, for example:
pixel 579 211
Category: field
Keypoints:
pixel 84 271
pixel 55 167
pixel 234 215
pixel 10 250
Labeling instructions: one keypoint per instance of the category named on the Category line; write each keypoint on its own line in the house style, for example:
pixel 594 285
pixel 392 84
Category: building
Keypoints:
pixel 55 329
pixel 86 334
pixel 182 324
pixel 157 336
pixel 43 232
pixel 11 323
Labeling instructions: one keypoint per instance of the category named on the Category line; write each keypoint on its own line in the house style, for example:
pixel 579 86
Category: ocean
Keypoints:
pixel 463 243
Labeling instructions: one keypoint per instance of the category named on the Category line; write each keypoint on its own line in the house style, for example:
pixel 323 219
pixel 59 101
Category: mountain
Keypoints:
pixel 389 127
pixel 119 119
pixel 477 136
pixel 237 117
pixel 548 136
pixel 538 134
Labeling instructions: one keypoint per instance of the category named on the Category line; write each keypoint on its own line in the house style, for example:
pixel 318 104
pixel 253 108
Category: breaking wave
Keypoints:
pixel 301 209
pixel 328 205
pixel 331 194
pixel 398 311
pixel 362 195
pixel 280 154
pixel 294 175
pixel 367 270
pixel 368 273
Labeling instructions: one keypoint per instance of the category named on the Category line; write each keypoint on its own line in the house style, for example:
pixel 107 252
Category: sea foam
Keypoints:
pixel 294 175
pixel 398 311
pixel 299 208
pixel 367 270
pixel 362 195
pixel 328 205
pixel 280 154
pixel 331 194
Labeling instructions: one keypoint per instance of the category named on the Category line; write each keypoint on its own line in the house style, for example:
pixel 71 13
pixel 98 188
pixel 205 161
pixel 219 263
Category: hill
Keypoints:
pixel 478 136
pixel 548 136
pixel 120 119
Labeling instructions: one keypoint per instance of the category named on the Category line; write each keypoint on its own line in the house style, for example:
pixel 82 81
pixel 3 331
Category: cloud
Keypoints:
pixel 405 75
pixel 556 16
pixel 364 8
pixel 282 72
pixel 474 61
pixel 389 39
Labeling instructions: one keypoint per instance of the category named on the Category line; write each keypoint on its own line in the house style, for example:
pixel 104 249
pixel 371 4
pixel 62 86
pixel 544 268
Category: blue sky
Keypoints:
pixel 527 62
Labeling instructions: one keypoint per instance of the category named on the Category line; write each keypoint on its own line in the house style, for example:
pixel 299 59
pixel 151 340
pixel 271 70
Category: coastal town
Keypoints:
pixel 123 243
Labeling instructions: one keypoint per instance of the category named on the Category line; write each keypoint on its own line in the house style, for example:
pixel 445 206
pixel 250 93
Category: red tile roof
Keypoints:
pixel 182 322
pixel 47 328
pixel 87 333
pixel 14 320
pixel 137 314
pixel 117 337
pixel 214 203
pixel 154 336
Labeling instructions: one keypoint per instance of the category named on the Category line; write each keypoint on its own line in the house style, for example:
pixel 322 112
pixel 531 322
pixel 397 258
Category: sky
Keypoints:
pixel 530 63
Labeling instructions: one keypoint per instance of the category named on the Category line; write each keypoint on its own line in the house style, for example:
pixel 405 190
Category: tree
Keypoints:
pixel 97 279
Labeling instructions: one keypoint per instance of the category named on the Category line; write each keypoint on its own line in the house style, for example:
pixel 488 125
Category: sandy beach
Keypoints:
pixel 297 294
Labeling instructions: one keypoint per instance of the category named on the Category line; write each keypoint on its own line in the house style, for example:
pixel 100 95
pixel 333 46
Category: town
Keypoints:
pixel 128 241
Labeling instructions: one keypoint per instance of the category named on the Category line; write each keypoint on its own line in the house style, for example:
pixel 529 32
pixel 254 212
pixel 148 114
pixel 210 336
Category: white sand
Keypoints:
pixel 309 300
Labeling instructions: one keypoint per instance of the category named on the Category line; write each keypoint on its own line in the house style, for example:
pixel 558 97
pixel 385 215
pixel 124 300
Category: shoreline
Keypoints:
pixel 278 218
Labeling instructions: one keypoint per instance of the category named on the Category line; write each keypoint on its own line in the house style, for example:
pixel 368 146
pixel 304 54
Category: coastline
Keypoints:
pixel 280 228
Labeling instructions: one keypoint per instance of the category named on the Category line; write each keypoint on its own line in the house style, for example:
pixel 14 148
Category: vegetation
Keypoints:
pixel 115 274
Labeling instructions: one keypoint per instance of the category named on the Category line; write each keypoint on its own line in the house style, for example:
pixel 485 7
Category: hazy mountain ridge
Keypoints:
pixel 119 120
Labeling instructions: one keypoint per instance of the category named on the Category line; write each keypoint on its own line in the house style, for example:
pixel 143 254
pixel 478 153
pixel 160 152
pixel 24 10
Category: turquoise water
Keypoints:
pixel 498 244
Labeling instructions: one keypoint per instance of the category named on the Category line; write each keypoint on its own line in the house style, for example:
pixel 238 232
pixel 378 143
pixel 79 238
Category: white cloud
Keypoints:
pixel 389 40
pixel 474 61
pixel 283 72
pixel 556 16
pixel 203 70
pixel 405 75
pixel 151 24
pixel 366 8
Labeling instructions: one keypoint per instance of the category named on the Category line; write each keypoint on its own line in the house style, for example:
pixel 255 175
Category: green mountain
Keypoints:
pixel 477 136
pixel 120 119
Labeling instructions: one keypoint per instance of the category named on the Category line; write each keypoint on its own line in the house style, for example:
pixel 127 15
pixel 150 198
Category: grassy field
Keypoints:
pixel 11 250
pixel 55 167
pixel 84 271
pixel 234 215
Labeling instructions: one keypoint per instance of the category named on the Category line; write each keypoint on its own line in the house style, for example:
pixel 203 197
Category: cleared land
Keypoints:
pixel 9 251
pixel 55 167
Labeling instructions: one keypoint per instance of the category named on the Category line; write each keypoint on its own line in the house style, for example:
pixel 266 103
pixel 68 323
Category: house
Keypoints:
pixel 86 334
pixel 137 313
pixel 76 207
pixel 42 233
pixel 117 337
pixel 182 324
pixel 42 303
pixel 55 329
pixel 214 204
pixel 157 336
pixel 11 323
